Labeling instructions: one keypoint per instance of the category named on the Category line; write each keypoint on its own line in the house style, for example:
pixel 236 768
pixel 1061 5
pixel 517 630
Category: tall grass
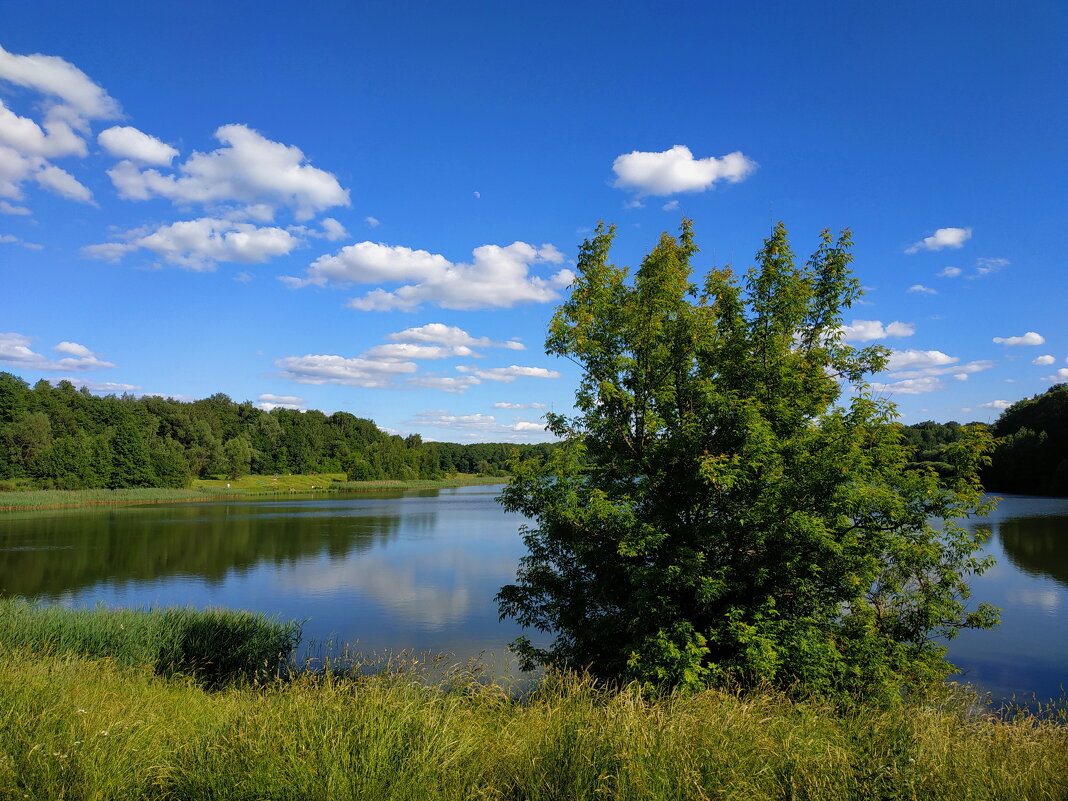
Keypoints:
pixel 103 704
pixel 77 728
pixel 213 646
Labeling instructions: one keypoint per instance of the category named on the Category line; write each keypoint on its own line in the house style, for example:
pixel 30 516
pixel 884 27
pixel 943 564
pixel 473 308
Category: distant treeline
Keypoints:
pixel 1031 457
pixel 65 438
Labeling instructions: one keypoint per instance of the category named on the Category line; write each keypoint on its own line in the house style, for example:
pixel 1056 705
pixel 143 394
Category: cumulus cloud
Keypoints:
pixel 924 290
pixel 248 169
pixel 866 330
pixel 496 277
pixel 70 101
pixel 1030 338
pixel 371 221
pixel 909 386
pixel 482 426
pixel 199 244
pixel 352 372
pixel 941 239
pixel 455 384
pixel 506 405
pixel 950 272
pixel 267 401
pixel 126 142
pixel 54 76
pixel 996 404
pixel 507 374
pixel 449 335
pixel 408 350
pixel 960 372
pixel 15 350
pixel 1047 359
pixel 1060 375
pixel 676 170
pixel 671 205
pixel 62 183
pixel 903 359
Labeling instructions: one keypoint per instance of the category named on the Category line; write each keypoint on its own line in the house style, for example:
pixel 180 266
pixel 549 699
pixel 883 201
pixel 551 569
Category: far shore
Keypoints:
pixel 247 487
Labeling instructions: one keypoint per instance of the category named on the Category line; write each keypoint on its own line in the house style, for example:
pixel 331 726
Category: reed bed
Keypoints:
pixel 213 646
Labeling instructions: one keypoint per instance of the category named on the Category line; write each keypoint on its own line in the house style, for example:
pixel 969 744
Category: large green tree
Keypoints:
pixel 732 502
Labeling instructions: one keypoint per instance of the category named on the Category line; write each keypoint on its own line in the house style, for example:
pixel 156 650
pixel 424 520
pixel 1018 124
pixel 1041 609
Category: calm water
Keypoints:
pixel 419 571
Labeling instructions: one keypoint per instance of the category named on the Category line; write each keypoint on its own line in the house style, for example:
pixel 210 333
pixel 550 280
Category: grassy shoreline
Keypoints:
pixel 98 718
pixel 212 489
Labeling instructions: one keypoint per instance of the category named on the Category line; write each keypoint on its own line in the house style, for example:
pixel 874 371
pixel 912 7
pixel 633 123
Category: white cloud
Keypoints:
pixel 356 372
pixel 71 100
pixel 126 142
pixel 676 170
pixel 959 372
pixel 903 359
pixel 508 374
pixel 481 426
pixel 62 183
pixel 11 239
pixel 199 244
pixel 496 277
pixel 408 350
pixel 865 330
pixel 1047 359
pixel 996 404
pixel 54 76
pixel 455 384
pixel 1060 375
pixel 267 401
pixel 987 266
pixel 10 208
pixel 371 221
pixel 1030 338
pixel 671 205
pixel 925 290
pixel 249 169
pixel 450 335
pixel 333 230
pixel 506 405
pixel 950 272
pixel 910 386
pixel 941 239
pixel 15 350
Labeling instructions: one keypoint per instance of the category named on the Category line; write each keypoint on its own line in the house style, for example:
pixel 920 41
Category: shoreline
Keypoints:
pixel 210 494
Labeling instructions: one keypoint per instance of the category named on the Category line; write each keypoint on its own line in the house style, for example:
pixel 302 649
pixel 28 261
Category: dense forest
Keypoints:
pixel 65 438
pixel 1031 457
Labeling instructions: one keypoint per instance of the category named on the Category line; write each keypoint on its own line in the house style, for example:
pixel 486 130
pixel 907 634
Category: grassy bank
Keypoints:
pixel 114 728
pixel 211 489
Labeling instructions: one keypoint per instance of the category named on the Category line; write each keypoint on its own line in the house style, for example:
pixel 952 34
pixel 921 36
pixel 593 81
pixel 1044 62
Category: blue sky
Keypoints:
pixel 375 207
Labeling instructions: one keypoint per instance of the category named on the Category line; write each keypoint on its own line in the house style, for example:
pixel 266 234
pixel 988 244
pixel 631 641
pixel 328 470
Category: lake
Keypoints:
pixel 418 571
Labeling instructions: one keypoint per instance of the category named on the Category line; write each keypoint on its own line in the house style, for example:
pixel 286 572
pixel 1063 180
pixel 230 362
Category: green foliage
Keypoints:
pixel 714 514
pixel 1032 447
pixel 62 438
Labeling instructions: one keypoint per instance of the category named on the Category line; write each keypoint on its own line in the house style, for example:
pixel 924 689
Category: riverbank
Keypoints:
pixel 219 489
pixel 89 722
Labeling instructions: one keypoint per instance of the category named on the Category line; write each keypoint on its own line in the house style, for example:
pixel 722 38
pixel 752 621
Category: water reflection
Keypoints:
pixel 207 541
pixel 1037 545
